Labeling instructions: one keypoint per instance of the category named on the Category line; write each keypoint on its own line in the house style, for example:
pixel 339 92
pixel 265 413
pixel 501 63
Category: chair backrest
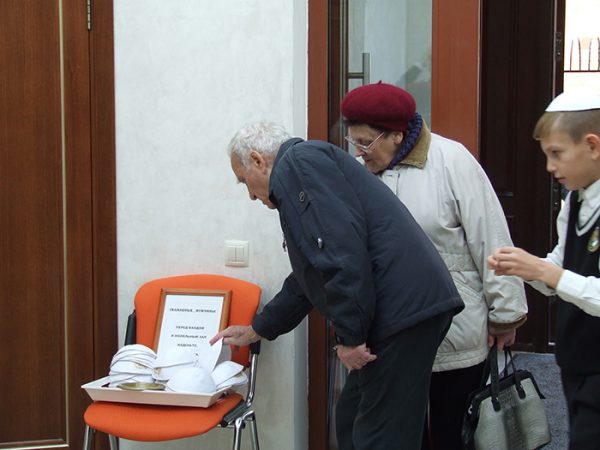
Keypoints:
pixel 245 297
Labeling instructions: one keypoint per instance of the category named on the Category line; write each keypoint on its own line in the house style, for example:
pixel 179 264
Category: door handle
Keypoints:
pixel 365 74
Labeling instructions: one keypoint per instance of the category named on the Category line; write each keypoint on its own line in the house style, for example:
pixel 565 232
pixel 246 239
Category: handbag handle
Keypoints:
pixel 508 358
pixel 495 376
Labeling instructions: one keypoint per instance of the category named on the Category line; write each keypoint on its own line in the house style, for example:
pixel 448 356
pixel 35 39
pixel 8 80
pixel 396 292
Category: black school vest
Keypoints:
pixel 578 333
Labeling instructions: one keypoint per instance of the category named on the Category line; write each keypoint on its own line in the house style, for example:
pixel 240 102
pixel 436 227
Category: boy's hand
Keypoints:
pixel 516 261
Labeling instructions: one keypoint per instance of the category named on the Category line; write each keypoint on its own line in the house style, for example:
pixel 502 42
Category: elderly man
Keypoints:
pixel 359 257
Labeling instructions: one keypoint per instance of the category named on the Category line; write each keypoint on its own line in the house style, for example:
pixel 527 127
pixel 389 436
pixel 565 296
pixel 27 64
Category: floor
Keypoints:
pixel 547 375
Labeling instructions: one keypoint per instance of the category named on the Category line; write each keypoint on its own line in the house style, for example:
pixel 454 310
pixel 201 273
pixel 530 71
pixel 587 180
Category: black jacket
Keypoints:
pixel 357 254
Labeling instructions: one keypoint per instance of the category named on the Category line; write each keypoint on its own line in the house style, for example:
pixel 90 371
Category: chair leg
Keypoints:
pixel 254 431
pixel 238 425
pixel 88 437
pixel 114 442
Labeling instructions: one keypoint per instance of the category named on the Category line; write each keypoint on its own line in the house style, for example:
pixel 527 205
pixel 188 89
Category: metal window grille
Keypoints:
pixel 583 55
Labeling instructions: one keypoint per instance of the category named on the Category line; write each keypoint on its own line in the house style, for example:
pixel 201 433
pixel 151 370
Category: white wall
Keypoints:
pixel 189 73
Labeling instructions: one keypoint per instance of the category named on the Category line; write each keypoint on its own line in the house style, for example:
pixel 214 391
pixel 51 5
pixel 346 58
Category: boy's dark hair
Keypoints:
pixel 575 123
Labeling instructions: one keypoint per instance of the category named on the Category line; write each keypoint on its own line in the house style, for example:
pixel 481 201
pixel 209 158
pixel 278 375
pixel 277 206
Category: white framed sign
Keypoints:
pixel 189 318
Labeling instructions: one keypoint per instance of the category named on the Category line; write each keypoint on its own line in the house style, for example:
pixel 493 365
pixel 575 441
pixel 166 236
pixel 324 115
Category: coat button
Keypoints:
pixel 301 196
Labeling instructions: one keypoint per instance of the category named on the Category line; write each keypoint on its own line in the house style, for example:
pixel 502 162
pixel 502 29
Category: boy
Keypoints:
pixel 569 134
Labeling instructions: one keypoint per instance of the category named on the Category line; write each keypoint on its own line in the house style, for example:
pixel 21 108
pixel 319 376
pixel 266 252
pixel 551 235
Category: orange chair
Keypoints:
pixel 140 422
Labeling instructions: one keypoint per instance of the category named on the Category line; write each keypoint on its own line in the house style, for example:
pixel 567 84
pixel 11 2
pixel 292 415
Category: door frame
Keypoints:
pixel 318 107
pixel 104 195
pixel 90 124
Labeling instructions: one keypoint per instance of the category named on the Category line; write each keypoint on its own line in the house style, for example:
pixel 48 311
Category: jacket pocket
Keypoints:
pixel 309 232
pixel 469 328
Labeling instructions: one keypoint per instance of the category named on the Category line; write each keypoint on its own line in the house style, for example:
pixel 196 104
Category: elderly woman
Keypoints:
pixel 450 196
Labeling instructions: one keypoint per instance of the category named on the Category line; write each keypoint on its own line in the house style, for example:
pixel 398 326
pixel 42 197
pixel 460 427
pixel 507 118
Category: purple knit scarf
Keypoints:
pixel 410 139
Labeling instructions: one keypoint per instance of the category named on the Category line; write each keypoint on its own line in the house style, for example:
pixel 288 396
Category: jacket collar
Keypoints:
pixel 418 155
pixel 282 150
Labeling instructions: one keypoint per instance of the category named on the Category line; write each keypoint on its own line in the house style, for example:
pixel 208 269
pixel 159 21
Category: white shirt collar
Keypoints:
pixel 590 207
pixel 591 194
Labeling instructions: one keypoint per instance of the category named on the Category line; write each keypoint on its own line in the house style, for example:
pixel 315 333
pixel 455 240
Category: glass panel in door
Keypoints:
pixel 379 40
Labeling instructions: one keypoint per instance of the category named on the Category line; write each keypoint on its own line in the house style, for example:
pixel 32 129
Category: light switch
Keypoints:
pixel 236 253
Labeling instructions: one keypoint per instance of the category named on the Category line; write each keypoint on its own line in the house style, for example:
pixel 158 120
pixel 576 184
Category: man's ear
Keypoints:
pixel 593 142
pixel 258 161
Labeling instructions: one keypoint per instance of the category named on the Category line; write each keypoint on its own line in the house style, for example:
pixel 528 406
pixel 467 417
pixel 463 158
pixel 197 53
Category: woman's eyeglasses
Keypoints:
pixel 361 147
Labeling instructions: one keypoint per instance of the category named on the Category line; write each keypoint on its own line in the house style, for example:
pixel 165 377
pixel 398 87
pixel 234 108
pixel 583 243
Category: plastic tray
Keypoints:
pixel 98 390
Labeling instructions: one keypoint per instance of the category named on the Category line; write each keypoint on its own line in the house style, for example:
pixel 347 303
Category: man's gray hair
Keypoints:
pixel 264 137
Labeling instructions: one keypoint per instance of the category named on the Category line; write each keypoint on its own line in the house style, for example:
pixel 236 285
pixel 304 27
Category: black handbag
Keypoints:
pixel 508 413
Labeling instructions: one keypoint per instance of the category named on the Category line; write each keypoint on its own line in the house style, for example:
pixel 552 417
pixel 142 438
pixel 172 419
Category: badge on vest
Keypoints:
pixel 594 242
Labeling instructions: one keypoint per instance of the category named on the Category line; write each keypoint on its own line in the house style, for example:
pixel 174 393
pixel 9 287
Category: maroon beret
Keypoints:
pixel 379 105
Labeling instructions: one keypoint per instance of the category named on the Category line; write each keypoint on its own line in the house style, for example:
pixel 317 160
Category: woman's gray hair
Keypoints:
pixel 264 137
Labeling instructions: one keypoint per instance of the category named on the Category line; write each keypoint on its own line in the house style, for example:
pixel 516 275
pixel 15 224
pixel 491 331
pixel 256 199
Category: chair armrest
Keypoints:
pixel 255 348
pixel 237 411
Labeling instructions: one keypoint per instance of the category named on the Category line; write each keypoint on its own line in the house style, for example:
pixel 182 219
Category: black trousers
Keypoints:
pixel 583 402
pixel 448 401
pixel 383 405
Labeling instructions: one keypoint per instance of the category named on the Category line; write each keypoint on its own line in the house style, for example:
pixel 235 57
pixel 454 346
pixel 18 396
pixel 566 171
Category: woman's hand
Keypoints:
pixel 502 340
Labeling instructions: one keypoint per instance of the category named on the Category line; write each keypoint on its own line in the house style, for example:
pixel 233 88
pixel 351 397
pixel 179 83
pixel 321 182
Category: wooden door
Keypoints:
pixel 521 72
pixel 57 216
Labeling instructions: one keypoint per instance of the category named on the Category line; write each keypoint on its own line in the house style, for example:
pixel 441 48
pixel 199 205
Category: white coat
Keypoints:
pixel 450 196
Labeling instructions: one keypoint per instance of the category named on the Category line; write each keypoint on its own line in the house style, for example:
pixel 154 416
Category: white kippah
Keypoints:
pixel 575 101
